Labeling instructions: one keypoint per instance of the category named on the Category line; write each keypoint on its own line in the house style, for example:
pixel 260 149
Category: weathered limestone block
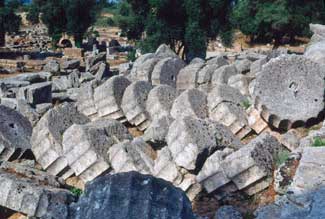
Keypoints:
pixel 218 60
pixel 225 105
pixel 310 173
pixel 158 129
pixel 86 146
pixel 315 52
pixel 32 192
pixel 85 102
pixel 204 76
pixel 9 102
pixel 136 155
pixel 103 72
pixel 37 77
pixel 52 66
pixel 94 59
pixel 86 77
pixel 108 97
pixel 164 51
pixel 222 75
pixel 166 71
pixel 36 93
pixel 243 66
pixel 138 64
pixel 71 64
pixel 244 167
pixel 299 85
pixel 228 212
pixel 47 138
pixel 187 77
pixel 134 104
pixel 160 101
pixel 155 198
pixel 241 83
pixel 192 140
pixel 256 67
pixel 61 83
pixel 15 134
pixel 144 71
pixel 28 111
pixel 192 102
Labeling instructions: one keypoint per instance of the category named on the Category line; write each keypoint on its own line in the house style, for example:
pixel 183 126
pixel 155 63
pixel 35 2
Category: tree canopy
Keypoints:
pixel 185 25
pixel 73 17
pixel 9 21
pixel 267 20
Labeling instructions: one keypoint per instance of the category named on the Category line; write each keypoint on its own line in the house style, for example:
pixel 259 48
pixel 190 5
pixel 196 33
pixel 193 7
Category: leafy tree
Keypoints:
pixel 185 25
pixel 68 16
pixel 9 21
pixel 268 20
pixel 80 15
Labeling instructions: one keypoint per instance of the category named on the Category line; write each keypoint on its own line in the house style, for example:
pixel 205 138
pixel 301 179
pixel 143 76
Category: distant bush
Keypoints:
pixel 318 142
pixel 131 55
pixel 281 157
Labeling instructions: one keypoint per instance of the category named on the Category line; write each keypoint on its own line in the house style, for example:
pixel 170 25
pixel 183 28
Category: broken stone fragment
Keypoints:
pixel 108 97
pixel 192 140
pixel 15 134
pixel 70 65
pixel 158 129
pixel 155 198
pixel 134 104
pixel 187 77
pixel 86 146
pixel 32 192
pixel 226 106
pixel 191 102
pixel 299 85
pixel 85 102
pixel 36 93
pixel 166 71
pixel 222 75
pixel 160 101
pixel 47 138
pixel 134 155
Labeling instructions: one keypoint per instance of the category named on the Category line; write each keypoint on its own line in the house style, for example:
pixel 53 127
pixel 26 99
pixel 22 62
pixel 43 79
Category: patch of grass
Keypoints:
pixel 246 104
pixel 318 142
pixel 281 157
pixel 77 192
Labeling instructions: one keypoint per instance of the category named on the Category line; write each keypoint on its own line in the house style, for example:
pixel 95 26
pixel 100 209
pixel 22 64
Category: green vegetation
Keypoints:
pixel 318 142
pixel 246 104
pixel 267 21
pixel 77 192
pixel 185 25
pixel 9 21
pixel 73 17
pixel 131 55
pixel 281 157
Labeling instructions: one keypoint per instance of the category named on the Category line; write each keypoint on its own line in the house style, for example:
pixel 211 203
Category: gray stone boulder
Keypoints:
pixel 155 198
pixel 192 102
pixel 33 192
pixel 256 67
pixel 92 60
pixel 70 65
pixel 228 212
pixel 299 84
pixel 134 104
pixel 103 72
pixel 15 134
pixel 309 205
pixel 204 76
pixel 165 51
pixel 61 83
pixel 138 64
pixel 86 146
pixel 144 71
pixel 48 135
pixel 160 101
pixel 218 60
pixel 134 155
pixel 241 83
pixel 166 71
pixel 187 77
pixel 243 66
pixel 52 66
pixel 158 129
pixel 316 52
pixel 108 97
pixel 226 106
pixel 192 140
pixel 85 100
pixel 28 111
pixel 36 93
pixel 222 74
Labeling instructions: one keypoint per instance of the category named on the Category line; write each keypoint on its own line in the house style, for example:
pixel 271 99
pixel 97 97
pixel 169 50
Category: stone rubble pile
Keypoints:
pixel 217 126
